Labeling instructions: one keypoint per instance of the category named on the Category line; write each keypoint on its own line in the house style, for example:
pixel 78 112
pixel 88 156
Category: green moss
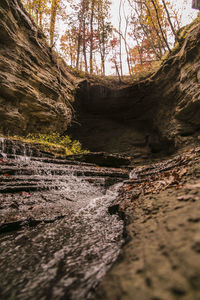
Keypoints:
pixel 59 145
pixel 181 37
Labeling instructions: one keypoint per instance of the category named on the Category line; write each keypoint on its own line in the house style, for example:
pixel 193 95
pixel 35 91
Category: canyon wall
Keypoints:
pixel 35 93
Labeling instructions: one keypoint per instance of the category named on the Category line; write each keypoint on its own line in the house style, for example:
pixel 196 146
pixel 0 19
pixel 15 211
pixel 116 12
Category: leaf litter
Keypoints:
pixel 151 179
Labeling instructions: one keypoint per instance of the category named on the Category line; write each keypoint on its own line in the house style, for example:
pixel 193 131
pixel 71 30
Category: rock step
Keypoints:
pixel 61 171
pixel 22 178
pixel 39 163
pixel 21 183
pixel 26 176
pixel 141 173
pixel 24 188
pixel 33 188
pixel 9 182
pixel 61 161
pixel 102 159
pixel 12 226
pixel 14 149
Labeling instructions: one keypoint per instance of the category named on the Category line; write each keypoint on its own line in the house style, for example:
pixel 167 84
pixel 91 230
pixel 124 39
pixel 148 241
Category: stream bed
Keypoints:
pixel 57 237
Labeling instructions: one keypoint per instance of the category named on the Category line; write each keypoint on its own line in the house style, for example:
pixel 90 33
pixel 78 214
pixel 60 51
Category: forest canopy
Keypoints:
pixel 103 37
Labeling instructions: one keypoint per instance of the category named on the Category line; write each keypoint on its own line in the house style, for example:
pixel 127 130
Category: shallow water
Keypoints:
pixel 67 258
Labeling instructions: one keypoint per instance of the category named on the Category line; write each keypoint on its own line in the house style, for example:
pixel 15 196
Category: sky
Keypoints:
pixel 188 15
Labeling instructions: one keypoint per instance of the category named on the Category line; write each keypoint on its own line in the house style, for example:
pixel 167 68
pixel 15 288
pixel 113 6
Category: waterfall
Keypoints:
pixel 76 240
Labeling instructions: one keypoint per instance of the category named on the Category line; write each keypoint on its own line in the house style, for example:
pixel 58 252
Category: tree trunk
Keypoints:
pixel 54 7
pixel 79 33
pixel 156 31
pixel 169 20
pixel 84 47
pixel 103 51
pixel 120 39
pixel 91 36
pixel 159 24
pixel 117 71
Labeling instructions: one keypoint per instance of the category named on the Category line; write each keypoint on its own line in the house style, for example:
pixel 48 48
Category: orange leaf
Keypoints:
pixel 25 194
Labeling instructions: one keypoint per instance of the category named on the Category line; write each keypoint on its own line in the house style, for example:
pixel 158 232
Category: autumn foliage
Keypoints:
pixel 82 32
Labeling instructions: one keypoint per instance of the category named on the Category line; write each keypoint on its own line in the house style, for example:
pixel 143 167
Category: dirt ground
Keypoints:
pixel 161 259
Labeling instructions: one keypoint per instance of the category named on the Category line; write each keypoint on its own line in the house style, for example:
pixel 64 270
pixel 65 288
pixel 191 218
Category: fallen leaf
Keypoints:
pixel 2 161
pixel 90 180
pixel 26 194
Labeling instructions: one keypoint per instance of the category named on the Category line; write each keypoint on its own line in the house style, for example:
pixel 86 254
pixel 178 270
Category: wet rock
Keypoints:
pixel 30 183
pixel 55 222
pixel 14 147
pixel 115 210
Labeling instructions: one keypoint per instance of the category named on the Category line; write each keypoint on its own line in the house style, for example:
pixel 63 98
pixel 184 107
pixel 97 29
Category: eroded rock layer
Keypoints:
pixel 35 93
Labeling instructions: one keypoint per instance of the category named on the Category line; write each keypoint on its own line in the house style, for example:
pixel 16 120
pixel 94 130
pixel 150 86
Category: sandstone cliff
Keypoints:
pixel 35 93
pixel 177 91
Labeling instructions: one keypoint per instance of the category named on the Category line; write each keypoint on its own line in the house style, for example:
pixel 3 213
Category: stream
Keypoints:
pixel 57 238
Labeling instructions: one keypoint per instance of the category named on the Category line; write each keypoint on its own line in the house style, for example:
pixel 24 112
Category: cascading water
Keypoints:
pixel 67 257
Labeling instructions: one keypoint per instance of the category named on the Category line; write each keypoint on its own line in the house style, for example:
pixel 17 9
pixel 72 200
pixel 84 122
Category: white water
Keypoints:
pixel 68 258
